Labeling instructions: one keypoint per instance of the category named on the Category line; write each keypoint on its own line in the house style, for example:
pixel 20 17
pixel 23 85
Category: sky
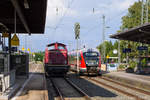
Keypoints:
pixel 63 14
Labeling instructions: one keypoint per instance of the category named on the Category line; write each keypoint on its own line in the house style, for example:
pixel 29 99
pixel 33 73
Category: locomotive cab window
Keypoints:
pixel 51 47
pixel 61 47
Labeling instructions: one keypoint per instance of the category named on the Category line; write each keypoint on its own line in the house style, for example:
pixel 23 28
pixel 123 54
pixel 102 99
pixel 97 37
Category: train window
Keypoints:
pixel 79 57
pixel 61 47
pixel 51 47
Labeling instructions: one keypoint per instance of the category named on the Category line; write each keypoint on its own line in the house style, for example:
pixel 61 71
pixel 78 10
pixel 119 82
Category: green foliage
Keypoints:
pixel 132 64
pixel 143 62
pixel 122 66
pixel 133 18
pixel 39 56
pixel 109 48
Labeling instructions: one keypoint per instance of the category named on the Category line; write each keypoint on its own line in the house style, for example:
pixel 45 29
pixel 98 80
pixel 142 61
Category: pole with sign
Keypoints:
pixel 77 34
pixel 15 40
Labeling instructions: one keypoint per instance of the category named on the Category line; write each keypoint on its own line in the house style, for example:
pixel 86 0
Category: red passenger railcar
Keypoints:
pixel 56 59
pixel 89 61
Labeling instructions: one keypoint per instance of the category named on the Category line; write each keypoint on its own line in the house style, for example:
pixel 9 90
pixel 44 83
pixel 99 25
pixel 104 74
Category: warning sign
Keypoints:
pixel 15 40
pixel 5 34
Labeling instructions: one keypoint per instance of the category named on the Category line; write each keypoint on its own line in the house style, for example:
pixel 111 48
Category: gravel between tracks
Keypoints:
pixel 96 91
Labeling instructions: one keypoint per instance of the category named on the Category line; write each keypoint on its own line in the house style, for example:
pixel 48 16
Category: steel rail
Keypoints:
pixel 78 89
pixel 57 90
pixel 116 89
pixel 127 86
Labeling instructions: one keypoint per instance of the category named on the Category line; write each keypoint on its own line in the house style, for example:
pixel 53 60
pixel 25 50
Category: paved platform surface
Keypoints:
pixel 12 90
pixel 139 81
pixel 34 88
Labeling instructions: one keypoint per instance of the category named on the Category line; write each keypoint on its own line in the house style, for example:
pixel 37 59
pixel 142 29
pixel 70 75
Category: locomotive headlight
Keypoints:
pixel 97 63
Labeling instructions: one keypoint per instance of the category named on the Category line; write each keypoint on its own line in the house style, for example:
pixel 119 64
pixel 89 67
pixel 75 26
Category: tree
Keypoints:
pixel 132 19
pixel 39 56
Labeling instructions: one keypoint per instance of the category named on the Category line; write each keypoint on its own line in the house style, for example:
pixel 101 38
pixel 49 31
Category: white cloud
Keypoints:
pixel 56 10
pixel 113 7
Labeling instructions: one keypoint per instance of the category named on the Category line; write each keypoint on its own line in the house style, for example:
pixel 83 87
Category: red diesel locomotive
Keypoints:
pixel 56 59
pixel 89 61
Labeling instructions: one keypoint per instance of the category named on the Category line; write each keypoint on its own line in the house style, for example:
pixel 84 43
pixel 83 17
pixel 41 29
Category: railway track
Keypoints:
pixel 57 90
pixel 118 89
pixel 60 93
pixel 127 86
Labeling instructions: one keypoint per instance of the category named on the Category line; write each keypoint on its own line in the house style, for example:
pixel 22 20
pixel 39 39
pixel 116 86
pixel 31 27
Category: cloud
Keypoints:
pixel 113 7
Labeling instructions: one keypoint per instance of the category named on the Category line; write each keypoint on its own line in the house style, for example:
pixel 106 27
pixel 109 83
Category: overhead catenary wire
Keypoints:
pixel 110 21
pixel 55 28
pixel 61 19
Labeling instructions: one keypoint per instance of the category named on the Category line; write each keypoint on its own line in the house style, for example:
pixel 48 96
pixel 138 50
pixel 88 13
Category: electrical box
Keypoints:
pixel 7 77
pixel 20 62
pixel 4 63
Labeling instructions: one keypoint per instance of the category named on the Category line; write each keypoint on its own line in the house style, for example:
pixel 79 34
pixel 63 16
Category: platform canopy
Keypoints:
pixel 31 15
pixel 137 34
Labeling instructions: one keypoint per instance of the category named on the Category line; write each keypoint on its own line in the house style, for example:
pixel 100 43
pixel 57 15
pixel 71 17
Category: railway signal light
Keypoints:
pixel 23 49
pixel 77 30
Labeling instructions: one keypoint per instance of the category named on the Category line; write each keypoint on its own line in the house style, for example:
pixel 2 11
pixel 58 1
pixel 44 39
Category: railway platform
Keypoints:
pixel 34 87
pixel 135 80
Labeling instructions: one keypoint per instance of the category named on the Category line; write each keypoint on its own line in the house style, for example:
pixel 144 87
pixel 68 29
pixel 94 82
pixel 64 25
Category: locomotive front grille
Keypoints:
pixel 92 69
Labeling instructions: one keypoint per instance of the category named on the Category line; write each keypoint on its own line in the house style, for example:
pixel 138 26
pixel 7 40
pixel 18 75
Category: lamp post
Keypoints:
pixel 103 36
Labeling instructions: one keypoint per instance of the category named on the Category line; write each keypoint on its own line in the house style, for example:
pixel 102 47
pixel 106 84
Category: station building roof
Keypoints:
pixel 30 15
pixel 137 34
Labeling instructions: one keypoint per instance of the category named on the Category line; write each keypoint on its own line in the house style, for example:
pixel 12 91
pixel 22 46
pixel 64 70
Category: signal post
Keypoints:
pixel 77 34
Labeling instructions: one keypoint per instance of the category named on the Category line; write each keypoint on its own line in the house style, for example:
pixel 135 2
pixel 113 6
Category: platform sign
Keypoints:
pixel 126 50
pixel 142 48
pixel 5 34
pixel 15 40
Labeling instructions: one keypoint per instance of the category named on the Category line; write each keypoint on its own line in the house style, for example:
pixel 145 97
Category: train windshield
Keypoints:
pixel 91 54
pixel 91 58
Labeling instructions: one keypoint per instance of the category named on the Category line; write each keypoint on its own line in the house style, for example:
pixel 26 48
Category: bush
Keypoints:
pixel 143 62
pixel 121 66
pixel 132 64
pixel 39 56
